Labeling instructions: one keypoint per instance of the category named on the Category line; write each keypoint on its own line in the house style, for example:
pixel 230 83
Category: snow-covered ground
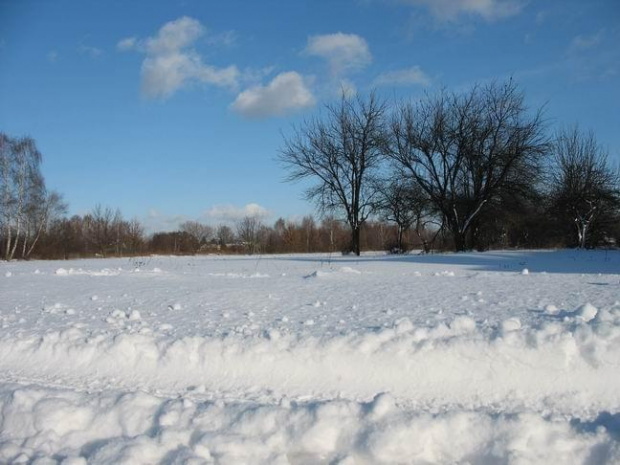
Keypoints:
pixel 495 358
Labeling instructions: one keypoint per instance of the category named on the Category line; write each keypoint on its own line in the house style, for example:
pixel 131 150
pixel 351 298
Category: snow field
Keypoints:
pixel 312 359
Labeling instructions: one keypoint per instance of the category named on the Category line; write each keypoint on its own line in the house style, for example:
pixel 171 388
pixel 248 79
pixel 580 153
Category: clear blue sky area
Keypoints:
pixel 175 110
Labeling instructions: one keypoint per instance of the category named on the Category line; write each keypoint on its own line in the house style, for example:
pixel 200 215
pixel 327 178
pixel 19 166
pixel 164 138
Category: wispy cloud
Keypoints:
pixel 541 17
pixel 156 221
pixel 286 93
pixel 346 88
pixel 89 50
pixel 171 63
pixel 126 44
pixel 413 76
pixel 254 76
pixel 232 213
pixel 223 39
pixel 453 10
pixel 52 56
pixel 586 42
pixel 343 52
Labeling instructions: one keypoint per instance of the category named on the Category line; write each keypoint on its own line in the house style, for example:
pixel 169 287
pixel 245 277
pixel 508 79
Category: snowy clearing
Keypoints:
pixel 501 357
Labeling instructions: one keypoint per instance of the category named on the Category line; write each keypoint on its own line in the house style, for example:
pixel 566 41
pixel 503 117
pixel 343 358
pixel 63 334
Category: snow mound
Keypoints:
pixel 511 324
pixel 521 364
pixel 40 425
pixel 551 309
pixel 586 312
pixel 331 273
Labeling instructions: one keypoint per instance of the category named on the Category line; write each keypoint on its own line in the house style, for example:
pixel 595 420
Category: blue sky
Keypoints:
pixel 175 110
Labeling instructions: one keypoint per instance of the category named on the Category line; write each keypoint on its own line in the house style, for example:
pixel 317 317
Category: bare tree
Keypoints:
pixel 404 203
pixel 201 233
pixel 464 149
pixel 135 236
pixel 248 231
pixel 224 235
pixel 7 199
pixel 309 229
pixel 585 189
pixel 51 208
pixel 100 229
pixel 341 152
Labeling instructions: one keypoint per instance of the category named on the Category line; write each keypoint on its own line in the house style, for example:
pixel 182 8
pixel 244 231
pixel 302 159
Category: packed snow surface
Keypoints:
pixel 482 358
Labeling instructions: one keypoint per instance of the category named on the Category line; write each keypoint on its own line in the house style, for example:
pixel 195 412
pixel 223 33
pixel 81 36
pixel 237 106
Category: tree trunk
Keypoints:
pixel 7 249
pixel 36 238
pixel 17 233
pixel 460 243
pixel 25 243
pixel 355 240
pixel 584 228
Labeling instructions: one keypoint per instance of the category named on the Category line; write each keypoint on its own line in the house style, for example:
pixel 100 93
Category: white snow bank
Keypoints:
pixel 41 425
pixel 566 365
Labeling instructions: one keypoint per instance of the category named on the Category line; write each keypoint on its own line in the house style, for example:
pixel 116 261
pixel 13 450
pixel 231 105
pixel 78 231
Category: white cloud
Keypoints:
pixel 171 63
pixel 175 35
pixel 413 76
pixel 452 10
pixel 344 52
pixel 286 93
pixel 162 75
pixel 231 213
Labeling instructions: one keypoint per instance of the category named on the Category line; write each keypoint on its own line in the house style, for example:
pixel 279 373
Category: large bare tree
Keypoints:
pixel 463 149
pixel 341 152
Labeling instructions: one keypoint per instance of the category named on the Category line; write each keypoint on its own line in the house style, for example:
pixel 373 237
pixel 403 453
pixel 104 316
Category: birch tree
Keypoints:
pixel 23 192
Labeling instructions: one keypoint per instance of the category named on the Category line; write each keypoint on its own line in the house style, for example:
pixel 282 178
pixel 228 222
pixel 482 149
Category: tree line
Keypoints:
pixel 467 170
pixel 104 232
pixel 479 166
